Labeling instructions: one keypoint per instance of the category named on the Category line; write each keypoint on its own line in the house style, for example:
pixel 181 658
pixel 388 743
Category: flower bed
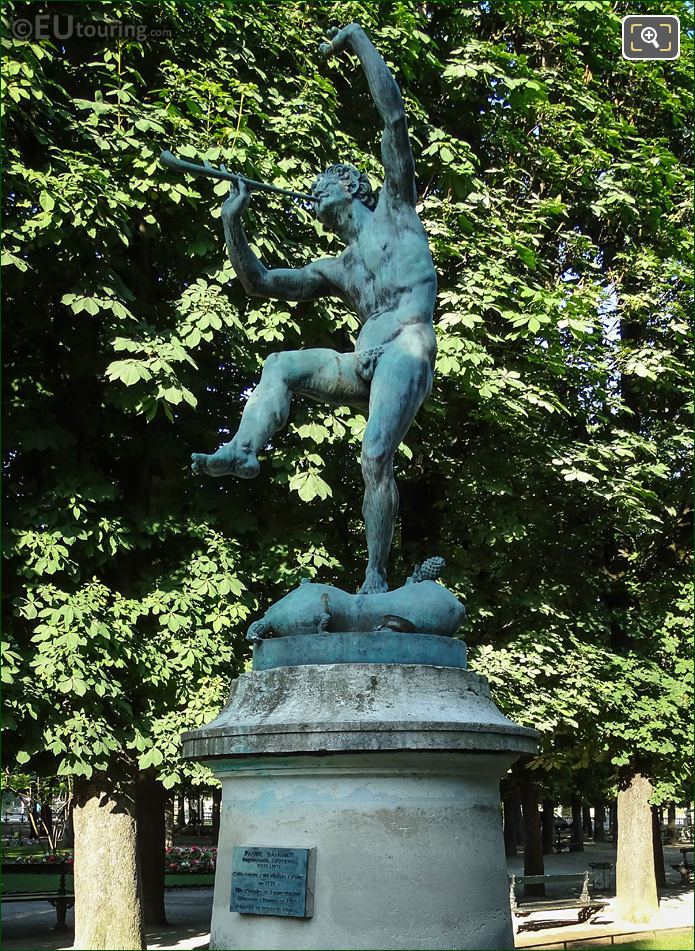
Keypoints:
pixel 43 858
pixel 188 858
pixel 191 858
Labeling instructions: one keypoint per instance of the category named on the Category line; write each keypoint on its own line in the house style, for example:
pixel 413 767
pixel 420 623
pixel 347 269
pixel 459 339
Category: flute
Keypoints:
pixel 169 160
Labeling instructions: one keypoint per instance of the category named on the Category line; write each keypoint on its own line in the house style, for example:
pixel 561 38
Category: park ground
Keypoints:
pixel 30 925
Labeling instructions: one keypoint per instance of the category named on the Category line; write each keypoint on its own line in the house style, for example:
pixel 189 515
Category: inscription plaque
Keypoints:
pixel 272 881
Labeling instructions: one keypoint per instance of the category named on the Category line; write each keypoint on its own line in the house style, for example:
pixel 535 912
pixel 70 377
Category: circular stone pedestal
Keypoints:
pixel 390 772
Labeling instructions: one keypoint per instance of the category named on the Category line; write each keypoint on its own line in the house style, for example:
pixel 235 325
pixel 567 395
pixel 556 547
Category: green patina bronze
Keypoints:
pixel 354 647
pixel 386 275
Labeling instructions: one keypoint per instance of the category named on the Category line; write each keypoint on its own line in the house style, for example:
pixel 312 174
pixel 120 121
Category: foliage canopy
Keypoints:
pixel 550 466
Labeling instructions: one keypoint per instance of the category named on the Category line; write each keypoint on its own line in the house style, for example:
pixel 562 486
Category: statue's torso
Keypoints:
pixel 388 277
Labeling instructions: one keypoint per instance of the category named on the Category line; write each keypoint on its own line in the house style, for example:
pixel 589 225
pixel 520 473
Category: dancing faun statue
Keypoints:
pixel 386 275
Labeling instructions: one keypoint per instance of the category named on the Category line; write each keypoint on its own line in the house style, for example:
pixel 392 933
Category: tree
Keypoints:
pixel 550 466
pixel 107 868
pixel 573 547
pixel 48 804
pixel 635 880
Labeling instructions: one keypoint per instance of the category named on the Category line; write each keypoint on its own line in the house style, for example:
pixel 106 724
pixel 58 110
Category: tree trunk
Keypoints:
pixel 577 840
pixel 511 829
pixel 180 811
pixel 151 834
pixel 671 833
pixel 637 899
pixel 108 911
pixel 657 845
pixel 192 815
pixel 613 814
pixel 46 823
pixel 169 823
pixel 599 821
pixel 533 841
pixel 34 821
pixel 587 824
pixel 548 825
pixel 68 841
pixel 519 821
pixel 216 804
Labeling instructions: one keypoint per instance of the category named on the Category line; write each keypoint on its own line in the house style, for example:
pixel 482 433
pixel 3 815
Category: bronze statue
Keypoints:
pixel 386 275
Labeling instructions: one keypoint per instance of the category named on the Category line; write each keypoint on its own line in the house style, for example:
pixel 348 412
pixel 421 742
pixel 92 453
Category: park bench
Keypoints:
pixel 685 867
pixel 563 837
pixel 522 905
pixel 60 898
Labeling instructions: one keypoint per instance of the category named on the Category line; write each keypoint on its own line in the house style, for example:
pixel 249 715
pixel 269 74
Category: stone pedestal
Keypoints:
pixel 389 770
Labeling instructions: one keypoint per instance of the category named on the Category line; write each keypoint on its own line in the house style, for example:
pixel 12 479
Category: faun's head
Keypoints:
pixel 337 188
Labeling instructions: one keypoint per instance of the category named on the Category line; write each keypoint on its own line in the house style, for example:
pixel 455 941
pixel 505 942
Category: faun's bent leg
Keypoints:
pixel 320 374
pixel 401 383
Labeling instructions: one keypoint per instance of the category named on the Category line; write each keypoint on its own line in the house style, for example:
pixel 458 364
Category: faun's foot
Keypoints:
pixel 374 583
pixel 228 460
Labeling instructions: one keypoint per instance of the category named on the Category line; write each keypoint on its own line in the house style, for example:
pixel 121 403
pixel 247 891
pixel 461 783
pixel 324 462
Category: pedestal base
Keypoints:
pixel 409 850
pixel 391 773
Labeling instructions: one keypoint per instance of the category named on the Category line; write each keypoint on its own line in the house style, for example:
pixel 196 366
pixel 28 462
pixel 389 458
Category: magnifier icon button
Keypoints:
pixel 649 35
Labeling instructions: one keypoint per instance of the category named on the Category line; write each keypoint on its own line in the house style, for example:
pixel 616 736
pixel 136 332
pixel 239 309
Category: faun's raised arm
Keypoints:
pixel 397 157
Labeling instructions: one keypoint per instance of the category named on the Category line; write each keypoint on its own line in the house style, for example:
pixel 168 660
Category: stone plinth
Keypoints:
pixel 390 771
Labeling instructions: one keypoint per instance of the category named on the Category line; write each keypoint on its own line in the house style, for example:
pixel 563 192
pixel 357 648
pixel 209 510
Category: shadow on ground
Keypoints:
pixel 29 926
